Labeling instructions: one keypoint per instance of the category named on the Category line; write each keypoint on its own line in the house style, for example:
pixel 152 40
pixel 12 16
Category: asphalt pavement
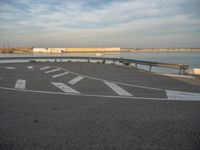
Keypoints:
pixel 76 105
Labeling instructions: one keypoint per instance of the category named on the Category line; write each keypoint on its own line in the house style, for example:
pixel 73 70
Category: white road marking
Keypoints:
pixel 118 89
pixel 54 70
pixel 75 80
pixel 45 68
pixel 20 84
pixel 126 84
pixel 89 95
pixel 178 95
pixel 29 67
pixel 179 76
pixel 65 88
pixel 59 75
pixel 11 68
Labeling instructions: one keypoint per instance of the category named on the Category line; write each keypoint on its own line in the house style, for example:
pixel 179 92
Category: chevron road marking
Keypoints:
pixel 10 68
pixel 20 84
pixel 44 68
pixel 177 95
pixel 75 80
pixel 64 88
pixel 29 67
pixel 59 75
pixel 118 89
pixel 54 70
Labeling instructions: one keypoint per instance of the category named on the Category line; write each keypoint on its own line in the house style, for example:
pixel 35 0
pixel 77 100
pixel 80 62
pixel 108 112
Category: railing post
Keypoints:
pixel 88 60
pixel 150 68
pixel 180 70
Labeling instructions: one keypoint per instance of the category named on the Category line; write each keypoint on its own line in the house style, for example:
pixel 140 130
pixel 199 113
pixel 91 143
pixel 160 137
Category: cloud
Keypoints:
pixel 93 20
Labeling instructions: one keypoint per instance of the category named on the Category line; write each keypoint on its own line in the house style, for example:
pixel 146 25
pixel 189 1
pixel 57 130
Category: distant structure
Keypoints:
pixel 49 50
pixel 75 50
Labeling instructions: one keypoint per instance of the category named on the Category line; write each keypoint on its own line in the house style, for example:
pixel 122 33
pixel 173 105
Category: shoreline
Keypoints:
pixel 163 50
pixel 91 50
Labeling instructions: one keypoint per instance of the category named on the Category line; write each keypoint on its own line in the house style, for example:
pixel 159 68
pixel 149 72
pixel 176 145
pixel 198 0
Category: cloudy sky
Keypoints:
pixel 104 23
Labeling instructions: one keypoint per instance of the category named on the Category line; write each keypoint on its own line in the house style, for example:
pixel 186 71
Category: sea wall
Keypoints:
pixel 161 49
pixel 16 50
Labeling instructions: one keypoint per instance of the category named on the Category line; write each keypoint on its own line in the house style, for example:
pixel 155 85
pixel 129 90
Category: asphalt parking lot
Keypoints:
pixel 96 106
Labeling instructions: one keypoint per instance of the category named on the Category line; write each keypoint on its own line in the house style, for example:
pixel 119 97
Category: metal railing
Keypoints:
pixel 180 67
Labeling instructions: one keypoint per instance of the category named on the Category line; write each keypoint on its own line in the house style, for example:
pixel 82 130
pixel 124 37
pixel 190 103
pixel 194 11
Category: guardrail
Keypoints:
pixel 181 67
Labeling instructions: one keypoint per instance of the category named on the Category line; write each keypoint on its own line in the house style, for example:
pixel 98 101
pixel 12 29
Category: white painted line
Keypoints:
pixel 178 95
pixel 65 88
pixel 11 68
pixel 20 84
pixel 59 75
pixel 179 76
pixel 75 80
pixel 29 67
pixel 54 70
pixel 126 84
pixel 118 89
pixel 45 68
pixel 89 95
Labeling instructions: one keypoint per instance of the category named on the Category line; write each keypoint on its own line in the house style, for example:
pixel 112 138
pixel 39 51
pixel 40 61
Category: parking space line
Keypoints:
pixel 54 70
pixel 59 75
pixel 11 68
pixel 75 80
pixel 44 68
pixel 65 88
pixel 20 84
pixel 29 67
pixel 118 89
pixel 177 95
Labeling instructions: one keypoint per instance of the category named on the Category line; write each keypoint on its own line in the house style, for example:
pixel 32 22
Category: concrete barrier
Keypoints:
pixel 193 71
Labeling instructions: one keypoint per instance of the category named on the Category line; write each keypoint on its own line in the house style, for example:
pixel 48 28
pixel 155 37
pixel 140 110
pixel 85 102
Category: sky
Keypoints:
pixel 100 23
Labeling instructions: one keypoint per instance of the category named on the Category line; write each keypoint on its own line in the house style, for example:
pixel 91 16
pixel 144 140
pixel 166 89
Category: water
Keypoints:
pixel 190 58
